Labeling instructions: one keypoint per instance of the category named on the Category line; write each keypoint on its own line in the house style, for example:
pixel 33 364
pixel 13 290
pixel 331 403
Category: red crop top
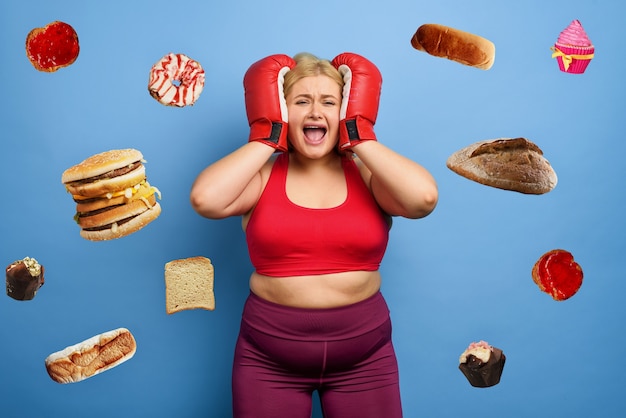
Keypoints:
pixel 285 239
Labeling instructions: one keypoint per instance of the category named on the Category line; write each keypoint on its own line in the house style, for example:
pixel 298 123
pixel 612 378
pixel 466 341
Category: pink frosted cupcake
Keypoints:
pixel 573 50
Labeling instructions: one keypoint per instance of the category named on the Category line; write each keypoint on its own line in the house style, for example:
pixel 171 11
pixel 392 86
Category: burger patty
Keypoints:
pixel 109 226
pixel 111 174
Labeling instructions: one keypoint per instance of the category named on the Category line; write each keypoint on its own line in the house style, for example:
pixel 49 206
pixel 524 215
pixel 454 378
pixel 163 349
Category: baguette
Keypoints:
pixel 455 45
pixel 92 356
pixel 514 164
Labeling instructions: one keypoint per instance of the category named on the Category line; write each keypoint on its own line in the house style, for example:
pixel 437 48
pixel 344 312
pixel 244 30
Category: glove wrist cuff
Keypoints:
pixel 270 133
pixel 354 131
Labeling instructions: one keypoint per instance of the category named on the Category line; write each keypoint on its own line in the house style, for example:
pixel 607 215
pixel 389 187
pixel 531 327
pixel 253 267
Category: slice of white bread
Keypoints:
pixel 189 284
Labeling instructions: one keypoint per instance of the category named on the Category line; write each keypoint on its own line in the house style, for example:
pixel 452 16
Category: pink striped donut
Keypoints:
pixel 176 80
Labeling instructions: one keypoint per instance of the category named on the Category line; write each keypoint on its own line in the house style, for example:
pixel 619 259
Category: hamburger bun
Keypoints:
pixel 101 163
pixel 106 172
pixel 116 213
pixel 123 227
pixel 101 185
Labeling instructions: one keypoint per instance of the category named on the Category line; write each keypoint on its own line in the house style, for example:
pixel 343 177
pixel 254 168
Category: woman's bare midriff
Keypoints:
pixel 320 291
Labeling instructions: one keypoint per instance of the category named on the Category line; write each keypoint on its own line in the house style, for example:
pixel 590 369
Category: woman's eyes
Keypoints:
pixel 326 102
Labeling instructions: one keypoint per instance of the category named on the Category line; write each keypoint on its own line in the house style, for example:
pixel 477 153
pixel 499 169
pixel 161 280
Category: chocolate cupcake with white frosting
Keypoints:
pixel 23 278
pixel 482 364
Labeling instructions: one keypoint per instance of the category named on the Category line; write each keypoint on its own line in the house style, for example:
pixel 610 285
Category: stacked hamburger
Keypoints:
pixel 113 197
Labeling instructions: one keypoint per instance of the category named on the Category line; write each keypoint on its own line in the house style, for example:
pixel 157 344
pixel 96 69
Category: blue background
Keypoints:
pixel 460 275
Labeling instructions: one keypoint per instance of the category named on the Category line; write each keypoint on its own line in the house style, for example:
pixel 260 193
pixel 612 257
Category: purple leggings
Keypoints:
pixel 283 354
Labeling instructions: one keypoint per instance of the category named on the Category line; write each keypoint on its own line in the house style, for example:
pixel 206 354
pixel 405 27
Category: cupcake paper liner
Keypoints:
pixel 572 59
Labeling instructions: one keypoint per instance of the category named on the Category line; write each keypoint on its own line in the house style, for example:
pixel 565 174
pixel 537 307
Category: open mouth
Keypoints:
pixel 314 134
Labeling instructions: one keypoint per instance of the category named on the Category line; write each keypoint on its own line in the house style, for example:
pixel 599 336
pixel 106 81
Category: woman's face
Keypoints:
pixel 313 107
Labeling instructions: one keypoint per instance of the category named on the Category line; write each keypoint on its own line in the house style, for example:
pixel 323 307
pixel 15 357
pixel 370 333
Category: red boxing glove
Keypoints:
pixel 265 102
pixel 361 94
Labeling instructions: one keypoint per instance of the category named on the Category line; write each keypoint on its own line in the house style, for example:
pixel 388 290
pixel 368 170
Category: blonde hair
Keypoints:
pixel 308 65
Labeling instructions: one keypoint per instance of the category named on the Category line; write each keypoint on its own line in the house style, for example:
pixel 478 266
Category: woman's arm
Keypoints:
pixel 232 185
pixel 400 186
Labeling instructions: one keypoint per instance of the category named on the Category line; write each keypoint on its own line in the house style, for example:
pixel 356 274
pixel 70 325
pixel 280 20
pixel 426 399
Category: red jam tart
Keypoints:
pixel 557 274
pixel 52 47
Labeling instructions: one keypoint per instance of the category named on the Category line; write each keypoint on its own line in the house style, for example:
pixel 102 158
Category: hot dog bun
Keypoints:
pixel 514 164
pixel 90 357
pixel 454 44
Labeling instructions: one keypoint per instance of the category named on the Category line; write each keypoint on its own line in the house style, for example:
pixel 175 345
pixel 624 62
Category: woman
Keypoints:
pixel 316 219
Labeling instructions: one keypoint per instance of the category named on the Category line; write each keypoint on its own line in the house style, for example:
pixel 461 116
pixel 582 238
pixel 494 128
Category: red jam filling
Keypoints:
pixel 56 45
pixel 559 274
